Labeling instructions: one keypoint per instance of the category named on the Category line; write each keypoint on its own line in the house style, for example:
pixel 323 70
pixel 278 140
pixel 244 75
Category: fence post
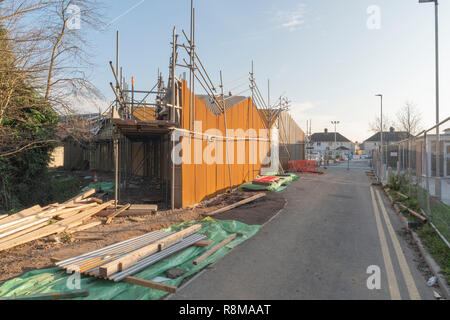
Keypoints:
pixel 426 174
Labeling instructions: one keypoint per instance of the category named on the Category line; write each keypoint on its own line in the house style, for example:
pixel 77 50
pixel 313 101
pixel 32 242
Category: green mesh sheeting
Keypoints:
pixel 55 280
pixel 274 187
pixel 105 186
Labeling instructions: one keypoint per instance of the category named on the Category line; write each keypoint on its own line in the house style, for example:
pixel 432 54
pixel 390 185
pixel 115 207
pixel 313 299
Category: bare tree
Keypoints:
pixel 409 118
pixel 375 125
pixel 44 51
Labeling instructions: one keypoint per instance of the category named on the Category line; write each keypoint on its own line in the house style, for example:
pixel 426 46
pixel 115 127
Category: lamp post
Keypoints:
pixel 335 136
pixel 381 126
pixel 436 34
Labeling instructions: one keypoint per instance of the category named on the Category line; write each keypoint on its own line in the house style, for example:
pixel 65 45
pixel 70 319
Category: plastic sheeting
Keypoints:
pixel 277 186
pixel 56 280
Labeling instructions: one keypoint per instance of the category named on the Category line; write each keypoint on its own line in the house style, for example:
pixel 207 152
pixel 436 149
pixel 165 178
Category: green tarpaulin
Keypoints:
pixel 56 280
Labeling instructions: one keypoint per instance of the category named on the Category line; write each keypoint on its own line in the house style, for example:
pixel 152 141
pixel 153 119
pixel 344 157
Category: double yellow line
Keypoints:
pixel 406 272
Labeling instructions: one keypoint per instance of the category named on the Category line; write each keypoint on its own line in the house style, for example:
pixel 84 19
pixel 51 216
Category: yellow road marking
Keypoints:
pixel 392 280
pixel 412 289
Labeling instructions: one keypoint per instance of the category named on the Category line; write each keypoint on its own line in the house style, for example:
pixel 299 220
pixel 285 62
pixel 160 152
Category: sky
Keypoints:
pixel 328 57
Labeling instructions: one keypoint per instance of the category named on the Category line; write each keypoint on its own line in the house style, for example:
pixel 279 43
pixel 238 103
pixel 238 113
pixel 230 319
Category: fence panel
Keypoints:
pixel 419 167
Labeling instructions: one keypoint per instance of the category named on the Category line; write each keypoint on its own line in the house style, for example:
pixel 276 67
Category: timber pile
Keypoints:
pixel 118 262
pixel 37 222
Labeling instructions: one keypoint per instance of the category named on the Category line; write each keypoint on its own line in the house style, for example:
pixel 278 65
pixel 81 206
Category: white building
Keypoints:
pixel 331 144
pixel 388 138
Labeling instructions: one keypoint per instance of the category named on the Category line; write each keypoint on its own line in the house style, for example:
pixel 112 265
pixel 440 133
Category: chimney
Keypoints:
pixel 391 129
pixel 326 130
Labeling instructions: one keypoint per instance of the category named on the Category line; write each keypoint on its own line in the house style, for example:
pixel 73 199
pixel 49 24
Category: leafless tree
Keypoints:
pixel 409 118
pixel 44 46
pixel 375 125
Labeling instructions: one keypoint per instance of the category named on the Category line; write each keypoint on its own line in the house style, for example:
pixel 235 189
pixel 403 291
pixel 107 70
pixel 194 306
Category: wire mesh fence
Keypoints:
pixel 419 167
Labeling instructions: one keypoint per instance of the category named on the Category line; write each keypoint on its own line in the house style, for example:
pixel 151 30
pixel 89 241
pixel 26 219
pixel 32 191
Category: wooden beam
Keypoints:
pixel 214 249
pixel 402 195
pixel 22 214
pixel 25 231
pixel 132 258
pixel 151 284
pixel 150 207
pixel 412 212
pixel 80 197
pixel 58 227
pixel 203 243
pixel 116 213
pixel 2 216
pixel 237 204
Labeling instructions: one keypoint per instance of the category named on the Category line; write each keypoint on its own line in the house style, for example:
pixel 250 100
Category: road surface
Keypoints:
pixel 320 246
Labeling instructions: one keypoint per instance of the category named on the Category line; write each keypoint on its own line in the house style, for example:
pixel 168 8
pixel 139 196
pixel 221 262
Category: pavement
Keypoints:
pixel 335 234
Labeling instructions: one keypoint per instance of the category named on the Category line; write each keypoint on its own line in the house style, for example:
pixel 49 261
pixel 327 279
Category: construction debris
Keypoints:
pixel 121 260
pixel 36 222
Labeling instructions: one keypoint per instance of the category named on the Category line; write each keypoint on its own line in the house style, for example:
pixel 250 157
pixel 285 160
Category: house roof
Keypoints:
pixel 392 136
pixel 328 137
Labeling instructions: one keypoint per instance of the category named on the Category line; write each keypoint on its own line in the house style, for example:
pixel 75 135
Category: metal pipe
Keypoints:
pixel 137 242
pixel 144 263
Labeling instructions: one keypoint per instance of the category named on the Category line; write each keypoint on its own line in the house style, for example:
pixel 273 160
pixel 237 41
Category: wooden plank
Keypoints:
pixel 203 243
pixel 237 204
pixel 23 227
pixel 20 222
pixel 116 213
pixel 151 284
pixel 412 212
pixel 64 214
pixel 214 249
pixel 402 195
pixel 132 258
pixel 150 207
pixel 2 216
pixel 58 227
pixel 20 233
pixel 80 197
pixel 22 214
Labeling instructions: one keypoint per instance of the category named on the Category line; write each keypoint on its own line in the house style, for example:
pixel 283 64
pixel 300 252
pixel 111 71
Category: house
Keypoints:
pixel 389 137
pixel 331 144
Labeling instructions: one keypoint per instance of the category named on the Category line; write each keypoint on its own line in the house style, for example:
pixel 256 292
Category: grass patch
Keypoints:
pixel 62 190
pixel 437 248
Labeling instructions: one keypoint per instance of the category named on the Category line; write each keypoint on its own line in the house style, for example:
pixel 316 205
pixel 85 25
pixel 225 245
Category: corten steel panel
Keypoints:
pixel 200 181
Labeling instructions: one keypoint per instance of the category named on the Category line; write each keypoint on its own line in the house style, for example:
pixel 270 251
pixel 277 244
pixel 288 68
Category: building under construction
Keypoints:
pixel 221 140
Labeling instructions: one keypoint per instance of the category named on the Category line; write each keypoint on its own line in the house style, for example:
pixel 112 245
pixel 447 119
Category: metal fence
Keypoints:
pixel 422 171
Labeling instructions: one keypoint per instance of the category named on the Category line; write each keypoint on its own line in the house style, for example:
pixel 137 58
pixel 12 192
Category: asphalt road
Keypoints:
pixel 320 246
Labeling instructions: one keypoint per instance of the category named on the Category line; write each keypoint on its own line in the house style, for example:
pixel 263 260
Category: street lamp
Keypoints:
pixel 436 33
pixel 381 126
pixel 335 136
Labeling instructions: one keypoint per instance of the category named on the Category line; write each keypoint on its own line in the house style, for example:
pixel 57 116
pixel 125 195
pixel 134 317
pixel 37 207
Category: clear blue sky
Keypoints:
pixel 320 53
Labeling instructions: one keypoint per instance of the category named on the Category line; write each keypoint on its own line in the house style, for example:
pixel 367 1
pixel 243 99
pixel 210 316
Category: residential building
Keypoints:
pixel 331 144
pixel 389 137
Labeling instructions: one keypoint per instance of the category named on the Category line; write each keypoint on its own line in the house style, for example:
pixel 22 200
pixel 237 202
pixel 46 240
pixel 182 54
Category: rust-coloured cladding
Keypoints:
pixel 201 180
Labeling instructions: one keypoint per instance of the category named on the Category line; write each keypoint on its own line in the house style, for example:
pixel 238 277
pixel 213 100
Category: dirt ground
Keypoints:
pixel 37 254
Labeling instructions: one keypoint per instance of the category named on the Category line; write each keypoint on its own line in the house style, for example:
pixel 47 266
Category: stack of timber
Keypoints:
pixel 118 262
pixel 38 222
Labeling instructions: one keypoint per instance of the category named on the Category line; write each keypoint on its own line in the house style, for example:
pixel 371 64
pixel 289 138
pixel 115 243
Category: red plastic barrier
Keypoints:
pixel 309 166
